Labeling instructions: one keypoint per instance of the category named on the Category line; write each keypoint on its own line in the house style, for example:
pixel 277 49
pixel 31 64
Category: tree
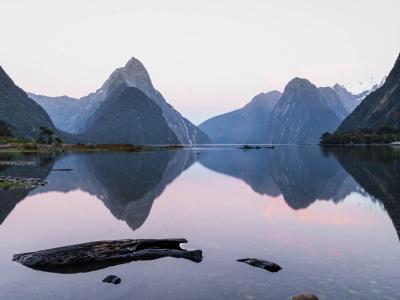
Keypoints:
pixel 46 135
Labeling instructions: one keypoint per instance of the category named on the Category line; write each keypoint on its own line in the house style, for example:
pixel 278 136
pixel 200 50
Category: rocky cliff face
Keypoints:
pixel 334 102
pixel 133 74
pixel 20 115
pixel 381 108
pixel 246 125
pixel 349 100
pixel 127 115
pixel 301 115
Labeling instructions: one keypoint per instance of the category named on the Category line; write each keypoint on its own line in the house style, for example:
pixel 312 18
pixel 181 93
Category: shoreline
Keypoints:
pixel 43 148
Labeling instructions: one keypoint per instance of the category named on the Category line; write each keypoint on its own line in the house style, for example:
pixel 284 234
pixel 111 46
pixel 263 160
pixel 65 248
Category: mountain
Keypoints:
pixel 381 108
pixel 334 102
pixel 63 110
pixel 19 114
pixel 127 115
pixel 248 124
pixel 351 101
pixel 133 74
pixel 301 115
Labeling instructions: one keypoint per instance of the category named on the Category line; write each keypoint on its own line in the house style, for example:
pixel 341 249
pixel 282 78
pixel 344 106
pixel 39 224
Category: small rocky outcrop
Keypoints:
pixel 10 183
pixel 263 264
pixel 305 297
pixel 112 279
pixel 98 255
pixel 17 163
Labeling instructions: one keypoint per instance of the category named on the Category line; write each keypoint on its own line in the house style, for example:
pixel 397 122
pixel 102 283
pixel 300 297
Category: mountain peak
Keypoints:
pixel 134 65
pixel 298 82
pixel 133 74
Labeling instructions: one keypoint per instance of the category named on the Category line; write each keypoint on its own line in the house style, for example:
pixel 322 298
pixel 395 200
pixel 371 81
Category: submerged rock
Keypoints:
pixel 263 264
pixel 305 297
pixel 112 279
pixel 98 255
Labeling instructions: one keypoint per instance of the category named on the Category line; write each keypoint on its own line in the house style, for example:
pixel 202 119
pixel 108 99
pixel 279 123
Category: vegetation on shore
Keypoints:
pixel 11 185
pixel 383 135
pixel 33 147
pixel 48 142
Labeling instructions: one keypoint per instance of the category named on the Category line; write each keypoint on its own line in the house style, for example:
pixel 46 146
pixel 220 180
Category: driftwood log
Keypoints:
pixel 263 264
pixel 99 255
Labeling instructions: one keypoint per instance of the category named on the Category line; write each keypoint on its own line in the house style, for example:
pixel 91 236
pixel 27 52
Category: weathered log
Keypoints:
pixel 263 264
pixel 99 255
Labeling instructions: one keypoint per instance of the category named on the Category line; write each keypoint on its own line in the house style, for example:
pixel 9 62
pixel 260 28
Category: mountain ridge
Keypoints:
pixel 248 124
pixel 133 74
pixel 379 109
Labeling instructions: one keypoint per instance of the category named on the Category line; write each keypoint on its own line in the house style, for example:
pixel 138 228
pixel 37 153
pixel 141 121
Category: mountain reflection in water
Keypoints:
pixel 129 183
pixel 325 215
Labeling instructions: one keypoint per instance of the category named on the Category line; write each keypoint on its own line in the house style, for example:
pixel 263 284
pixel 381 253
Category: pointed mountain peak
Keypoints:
pixel 134 65
pixel 338 86
pixel 133 74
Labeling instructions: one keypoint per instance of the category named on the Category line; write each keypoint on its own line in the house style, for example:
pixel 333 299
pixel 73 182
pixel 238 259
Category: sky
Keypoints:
pixel 206 57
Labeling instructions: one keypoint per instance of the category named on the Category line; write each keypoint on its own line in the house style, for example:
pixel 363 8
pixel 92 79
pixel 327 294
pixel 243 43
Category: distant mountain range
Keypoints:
pixel 128 109
pixel 248 124
pixel 79 116
pixel 379 109
pixel 300 115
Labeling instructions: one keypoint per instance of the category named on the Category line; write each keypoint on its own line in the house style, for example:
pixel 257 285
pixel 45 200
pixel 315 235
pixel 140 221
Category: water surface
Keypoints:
pixel 329 217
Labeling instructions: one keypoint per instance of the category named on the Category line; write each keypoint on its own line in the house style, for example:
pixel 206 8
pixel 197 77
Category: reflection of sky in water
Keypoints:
pixel 344 250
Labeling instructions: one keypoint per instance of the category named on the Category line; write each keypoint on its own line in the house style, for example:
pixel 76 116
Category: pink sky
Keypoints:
pixel 206 57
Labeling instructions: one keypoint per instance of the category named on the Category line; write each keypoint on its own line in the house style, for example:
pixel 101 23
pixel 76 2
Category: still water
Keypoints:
pixel 329 217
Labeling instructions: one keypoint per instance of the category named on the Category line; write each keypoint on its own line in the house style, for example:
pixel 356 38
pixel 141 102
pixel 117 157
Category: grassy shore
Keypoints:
pixel 11 185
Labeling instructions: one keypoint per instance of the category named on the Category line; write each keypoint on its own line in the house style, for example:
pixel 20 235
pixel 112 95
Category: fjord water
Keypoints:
pixel 329 217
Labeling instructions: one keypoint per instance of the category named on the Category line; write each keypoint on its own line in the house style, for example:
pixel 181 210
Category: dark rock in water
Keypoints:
pixel 263 264
pixel 112 279
pixel 61 170
pixel 248 147
pixel 102 254
pixel 245 147
pixel 305 297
